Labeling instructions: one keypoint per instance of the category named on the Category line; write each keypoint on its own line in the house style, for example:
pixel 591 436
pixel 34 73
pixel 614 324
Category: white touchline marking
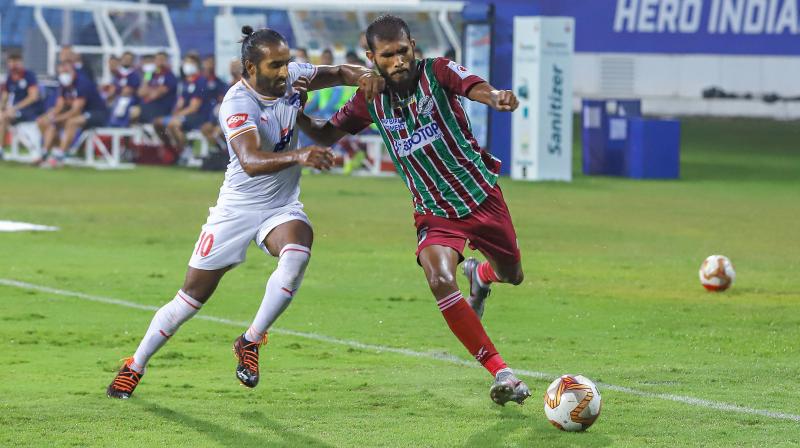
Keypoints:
pixel 692 401
pixel 14 226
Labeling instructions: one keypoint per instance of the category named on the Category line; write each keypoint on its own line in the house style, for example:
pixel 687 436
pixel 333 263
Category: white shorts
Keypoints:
pixel 228 231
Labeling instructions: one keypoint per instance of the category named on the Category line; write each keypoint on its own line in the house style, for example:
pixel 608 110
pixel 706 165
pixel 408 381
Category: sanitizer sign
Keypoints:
pixel 542 72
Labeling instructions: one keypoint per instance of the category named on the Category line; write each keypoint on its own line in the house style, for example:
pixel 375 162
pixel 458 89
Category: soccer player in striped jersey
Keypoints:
pixel 453 182
pixel 258 201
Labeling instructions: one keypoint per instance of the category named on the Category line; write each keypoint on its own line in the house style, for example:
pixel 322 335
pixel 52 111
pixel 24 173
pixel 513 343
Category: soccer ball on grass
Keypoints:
pixel 572 403
pixel 716 273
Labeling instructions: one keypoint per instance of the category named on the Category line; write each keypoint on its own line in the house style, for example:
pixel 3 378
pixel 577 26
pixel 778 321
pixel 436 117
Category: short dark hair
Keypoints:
pixel 386 27
pixel 193 56
pixel 14 57
pixel 252 40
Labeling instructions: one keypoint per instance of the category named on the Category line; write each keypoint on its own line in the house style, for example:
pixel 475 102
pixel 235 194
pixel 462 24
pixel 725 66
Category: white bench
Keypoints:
pixel 25 135
pixel 111 158
pixel 197 136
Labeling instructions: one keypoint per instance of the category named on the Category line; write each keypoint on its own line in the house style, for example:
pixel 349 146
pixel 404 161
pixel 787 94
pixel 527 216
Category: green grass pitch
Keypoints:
pixel 611 292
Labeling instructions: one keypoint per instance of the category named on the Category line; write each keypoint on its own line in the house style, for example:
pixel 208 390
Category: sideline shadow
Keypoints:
pixel 231 437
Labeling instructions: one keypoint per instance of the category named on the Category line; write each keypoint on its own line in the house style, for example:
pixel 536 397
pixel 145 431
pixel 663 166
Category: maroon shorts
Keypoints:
pixel 488 229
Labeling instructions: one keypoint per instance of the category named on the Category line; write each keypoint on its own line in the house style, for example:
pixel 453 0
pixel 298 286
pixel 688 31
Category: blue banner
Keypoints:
pixel 742 27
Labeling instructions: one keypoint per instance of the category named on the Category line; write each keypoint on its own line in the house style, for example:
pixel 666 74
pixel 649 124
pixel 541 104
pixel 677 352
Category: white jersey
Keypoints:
pixel 244 110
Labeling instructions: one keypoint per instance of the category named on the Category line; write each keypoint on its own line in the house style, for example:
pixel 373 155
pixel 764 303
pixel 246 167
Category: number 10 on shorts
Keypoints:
pixel 205 244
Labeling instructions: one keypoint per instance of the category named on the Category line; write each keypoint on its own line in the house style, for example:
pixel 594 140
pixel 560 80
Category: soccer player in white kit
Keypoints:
pixel 258 201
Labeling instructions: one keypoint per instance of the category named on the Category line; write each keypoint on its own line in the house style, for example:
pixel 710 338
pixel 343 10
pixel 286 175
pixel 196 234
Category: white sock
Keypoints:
pixel 164 324
pixel 281 287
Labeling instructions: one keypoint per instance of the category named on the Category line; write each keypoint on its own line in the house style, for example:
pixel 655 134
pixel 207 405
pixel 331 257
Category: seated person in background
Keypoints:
pixel 148 67
pixel 212 131
pixel 236 72
pixel 107 90
pixel 352 58
pixel 68 54
pixel 79 105
pixel 20 99
pixel 192 109
pixel 217 89
pixel 159 93
pixel 326 58
pixel 300 54
pixel 125 84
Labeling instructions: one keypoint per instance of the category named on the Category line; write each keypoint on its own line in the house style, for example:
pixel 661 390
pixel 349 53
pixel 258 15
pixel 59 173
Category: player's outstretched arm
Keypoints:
pixel 499 100
pixel 322 131
pixel 256 162
pixel 348 75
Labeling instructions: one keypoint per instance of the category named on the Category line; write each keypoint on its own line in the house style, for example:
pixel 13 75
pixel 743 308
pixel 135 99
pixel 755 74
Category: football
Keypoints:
pixel 572 403
pixel 716 273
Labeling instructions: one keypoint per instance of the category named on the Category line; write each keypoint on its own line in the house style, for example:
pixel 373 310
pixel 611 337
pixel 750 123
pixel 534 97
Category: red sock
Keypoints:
pixel 486 274
pixel 464 323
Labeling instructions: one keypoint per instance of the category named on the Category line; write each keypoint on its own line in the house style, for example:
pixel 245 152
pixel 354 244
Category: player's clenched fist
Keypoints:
pixel 372 84
pixel 316 157
pixel 504 100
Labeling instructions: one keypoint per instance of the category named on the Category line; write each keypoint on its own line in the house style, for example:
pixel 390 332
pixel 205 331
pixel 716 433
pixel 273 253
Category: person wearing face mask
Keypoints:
pixel 158 95
pixel 20 99
pixel 126 82
pixel 78 106
pixel 68 54
pixel 148 67
pixel 192 109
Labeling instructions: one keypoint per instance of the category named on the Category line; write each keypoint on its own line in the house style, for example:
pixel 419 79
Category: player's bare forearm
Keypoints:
pixel 499 100
pixel 347 75
pixel 320 130
pixel 257 163
pixel 337 75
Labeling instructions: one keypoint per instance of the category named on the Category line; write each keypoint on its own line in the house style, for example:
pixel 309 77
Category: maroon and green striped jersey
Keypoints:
pixel 430 139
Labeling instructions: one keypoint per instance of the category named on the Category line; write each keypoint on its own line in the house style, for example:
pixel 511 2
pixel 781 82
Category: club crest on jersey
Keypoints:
pixel 286 138
pixel 235 120
pixel 294 100
pixel 420 138
pixel 425 106
pixel 393 124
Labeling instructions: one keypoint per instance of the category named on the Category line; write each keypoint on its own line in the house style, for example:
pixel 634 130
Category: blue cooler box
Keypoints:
pixel 605 134
pixel 653 149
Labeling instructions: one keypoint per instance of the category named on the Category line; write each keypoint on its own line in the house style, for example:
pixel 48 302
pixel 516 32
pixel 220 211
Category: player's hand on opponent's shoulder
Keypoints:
pixel 504 100
pixel 372 84
pixel 317 157
pixel 301 86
